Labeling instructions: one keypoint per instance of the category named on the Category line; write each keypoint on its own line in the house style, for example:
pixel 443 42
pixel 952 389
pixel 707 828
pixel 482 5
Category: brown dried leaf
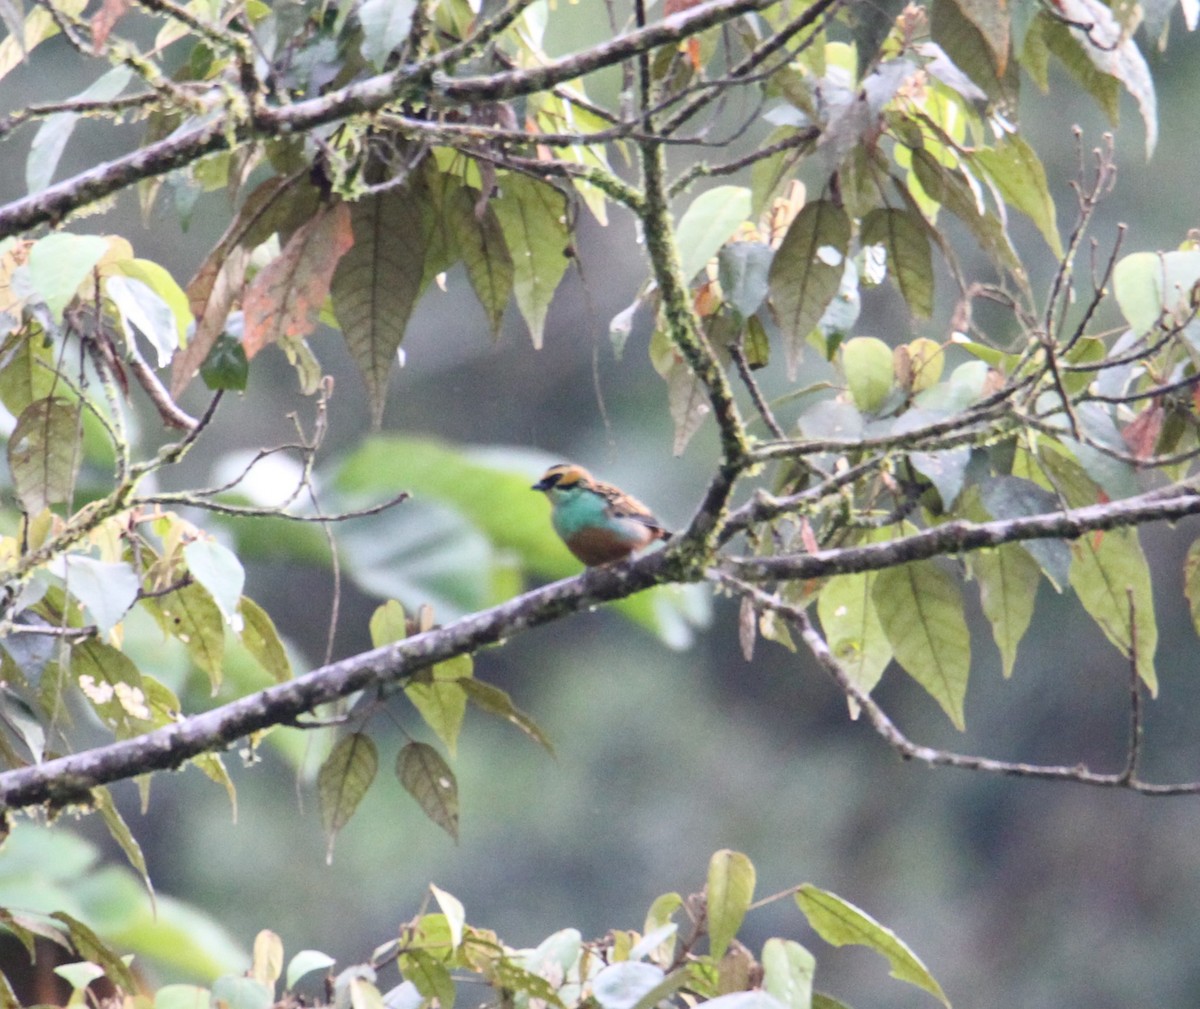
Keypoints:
pixel 284 300
pixel 104 20
pixel 1142 434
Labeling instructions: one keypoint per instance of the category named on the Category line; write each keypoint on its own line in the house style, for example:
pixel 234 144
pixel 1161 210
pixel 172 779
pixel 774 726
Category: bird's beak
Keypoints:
pixel 541 485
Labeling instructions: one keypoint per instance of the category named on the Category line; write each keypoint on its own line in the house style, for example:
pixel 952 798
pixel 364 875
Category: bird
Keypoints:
pixel 599 523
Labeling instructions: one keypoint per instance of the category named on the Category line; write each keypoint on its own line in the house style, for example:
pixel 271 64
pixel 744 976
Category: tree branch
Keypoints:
pixel 69 779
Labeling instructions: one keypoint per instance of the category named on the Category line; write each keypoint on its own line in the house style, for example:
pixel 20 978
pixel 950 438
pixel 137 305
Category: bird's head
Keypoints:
pixel 563 481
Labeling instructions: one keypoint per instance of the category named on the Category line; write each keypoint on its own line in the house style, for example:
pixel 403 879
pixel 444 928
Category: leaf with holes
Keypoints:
pixel 343 781
pixel 910 263
pixel 921 610
pixel 852 628
pixel 44 454
pixel 190 615
pixel 807 271
pixel 429 780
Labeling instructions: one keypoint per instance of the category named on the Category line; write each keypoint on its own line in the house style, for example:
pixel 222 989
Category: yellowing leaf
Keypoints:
pixel 867 362
pixel 1110 575
pixel 533 217
pixel 441 699
pixel 729 892
pixel 1008 579
pixel 852 628
pixel 921 611
pixel 839 923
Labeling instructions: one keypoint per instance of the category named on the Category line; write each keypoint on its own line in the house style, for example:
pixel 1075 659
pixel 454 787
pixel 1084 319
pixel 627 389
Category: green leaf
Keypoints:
pixel 1010 497
pixel 141 310
pixel 1110 575
pixel 1008 579
pixel 429 780
pixel 1050 31
pixel 218 569
pixel 970 49
pixel 182 996
pixel 452 908
pixel 1017 172
pixel 910 263
pixel 160 281
pixel 807 271
pixel 729 892
pixel 840 923
pixel 852 628
pixel 26 370
pixel 624 984
pixel 708 223
pixel 495 701
pixel 488 262
pixel 231 992
pixel 867 363
pixel 1113 52
pixel 533 217
pixel 90 946
pixel 343 781
pixel 262 640
pixel 113 685
pixel 378 281
pixel 59 263
pixel 44 454
pixel 1152 285
pixel 388 624
pixel 788 972
pixel 441 700
pixel 226 365
pixel 52 136
pixel 190 615
pixel 950 189
pixel 1191 582
pixel 106 590
pixel 921 611
pixel 385 25
pixel 992 22
pixel 742 269
pixel 305 962
pixel 119 830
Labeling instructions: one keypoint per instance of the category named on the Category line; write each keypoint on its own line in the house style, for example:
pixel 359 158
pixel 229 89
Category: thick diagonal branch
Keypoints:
pixel 70 779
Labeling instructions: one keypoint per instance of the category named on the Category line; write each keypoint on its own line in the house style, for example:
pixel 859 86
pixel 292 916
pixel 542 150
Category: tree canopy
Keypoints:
pixel 785 164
